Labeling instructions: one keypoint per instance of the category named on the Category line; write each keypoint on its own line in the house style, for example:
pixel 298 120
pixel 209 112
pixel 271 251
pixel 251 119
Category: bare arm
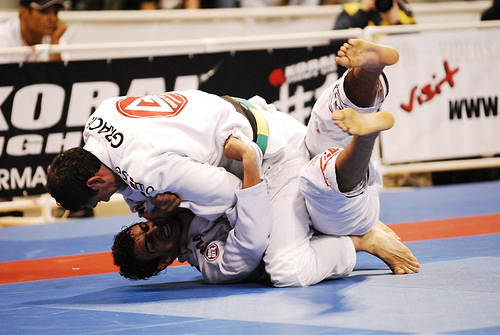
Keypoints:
pixel 239 150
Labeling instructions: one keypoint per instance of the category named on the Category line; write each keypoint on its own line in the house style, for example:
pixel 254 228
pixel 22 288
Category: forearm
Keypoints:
pixel 251 176
pixel 247 241
pixel 237 149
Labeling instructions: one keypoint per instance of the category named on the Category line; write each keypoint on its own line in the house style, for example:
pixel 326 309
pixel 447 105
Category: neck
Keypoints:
pixel 185 217
pixel 120 183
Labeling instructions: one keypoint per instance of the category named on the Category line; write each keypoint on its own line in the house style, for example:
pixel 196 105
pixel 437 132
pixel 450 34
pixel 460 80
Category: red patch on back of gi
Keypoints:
pixel 212 252
pixel 164 105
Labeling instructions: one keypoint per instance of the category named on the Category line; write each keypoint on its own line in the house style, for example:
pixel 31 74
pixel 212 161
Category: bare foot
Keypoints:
pixel 360 53
pixel 362 124
pixel 388 230
pixel 389 249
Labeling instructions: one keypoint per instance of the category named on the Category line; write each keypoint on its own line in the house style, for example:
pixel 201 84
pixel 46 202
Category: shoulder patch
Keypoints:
pixel 164 105
pixel 212 252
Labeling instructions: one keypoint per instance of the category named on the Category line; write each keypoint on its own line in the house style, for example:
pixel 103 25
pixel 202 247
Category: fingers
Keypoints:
pixel 165 202
pixel 234 148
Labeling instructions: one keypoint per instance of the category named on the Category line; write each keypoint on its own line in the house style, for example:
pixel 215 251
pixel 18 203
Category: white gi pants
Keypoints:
pixel 332 212
pixel 295 256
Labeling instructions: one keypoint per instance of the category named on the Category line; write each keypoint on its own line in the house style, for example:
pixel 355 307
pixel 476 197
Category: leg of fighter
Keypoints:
pixel 389 249
pixel 352 162
pixel 367 61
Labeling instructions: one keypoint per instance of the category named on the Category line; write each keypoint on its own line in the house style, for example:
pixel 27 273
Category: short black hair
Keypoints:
pixel 67 178
pixel 124 257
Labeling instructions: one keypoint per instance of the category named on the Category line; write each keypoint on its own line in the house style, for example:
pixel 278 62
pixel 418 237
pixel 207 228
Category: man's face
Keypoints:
pixel 103 194
pixel 157 241
pixel 42 22
pixel 106 183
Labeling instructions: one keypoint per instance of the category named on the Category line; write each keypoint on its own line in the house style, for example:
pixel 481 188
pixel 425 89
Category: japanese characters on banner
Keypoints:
pixel 45 106
pixel 444 95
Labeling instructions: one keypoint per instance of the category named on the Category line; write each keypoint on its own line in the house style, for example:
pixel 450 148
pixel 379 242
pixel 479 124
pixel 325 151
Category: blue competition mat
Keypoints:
pixel 456 292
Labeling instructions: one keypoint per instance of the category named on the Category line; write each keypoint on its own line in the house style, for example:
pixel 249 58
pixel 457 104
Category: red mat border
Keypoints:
pixel 102 262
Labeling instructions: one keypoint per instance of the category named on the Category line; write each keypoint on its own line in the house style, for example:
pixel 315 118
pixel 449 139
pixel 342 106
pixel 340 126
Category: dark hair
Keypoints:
pixel 383 5
pixel 124 257
pixel 67 178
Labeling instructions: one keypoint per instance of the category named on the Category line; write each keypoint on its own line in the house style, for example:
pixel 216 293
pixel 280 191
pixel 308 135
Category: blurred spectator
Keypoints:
pixel 374 12
pixel 37 23
pixel 193 4
pixel 268 3
pixel 219 3
pixel 492 13
pixel 114 4
pixel 180 4
pixel 96 4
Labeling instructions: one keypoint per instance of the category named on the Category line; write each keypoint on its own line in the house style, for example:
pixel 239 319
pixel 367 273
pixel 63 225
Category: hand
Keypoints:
pixel 239 150
pixel 60 30
pixel 165 205
pixel 234 148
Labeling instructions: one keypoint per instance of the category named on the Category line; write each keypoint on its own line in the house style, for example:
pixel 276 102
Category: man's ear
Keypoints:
pixel 163 263
pixel 23 11
pixel 93 182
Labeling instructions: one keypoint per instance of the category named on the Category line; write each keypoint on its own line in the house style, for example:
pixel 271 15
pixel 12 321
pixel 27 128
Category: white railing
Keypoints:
pixel 225 44
pixel 42 207
pixel 186 47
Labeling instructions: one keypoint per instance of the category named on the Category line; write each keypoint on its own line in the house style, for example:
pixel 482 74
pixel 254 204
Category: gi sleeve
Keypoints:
pixel 208 191
pixel 246 243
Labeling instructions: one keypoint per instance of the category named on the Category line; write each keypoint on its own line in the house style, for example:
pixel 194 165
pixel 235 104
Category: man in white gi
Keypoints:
pixel 340 184
pixel 143 146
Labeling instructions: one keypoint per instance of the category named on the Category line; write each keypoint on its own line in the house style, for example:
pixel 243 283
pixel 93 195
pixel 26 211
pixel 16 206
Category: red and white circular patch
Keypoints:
pixel 164 105
pixel 212 252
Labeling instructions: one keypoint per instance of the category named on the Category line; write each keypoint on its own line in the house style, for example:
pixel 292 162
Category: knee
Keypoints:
pixel 288 273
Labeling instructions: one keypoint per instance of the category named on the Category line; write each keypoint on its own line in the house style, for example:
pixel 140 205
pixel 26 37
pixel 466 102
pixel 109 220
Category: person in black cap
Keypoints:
pixel 38 23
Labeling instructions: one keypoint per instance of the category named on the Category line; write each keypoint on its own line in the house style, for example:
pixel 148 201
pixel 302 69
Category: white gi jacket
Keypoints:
pixel 171 142
pixel 230 248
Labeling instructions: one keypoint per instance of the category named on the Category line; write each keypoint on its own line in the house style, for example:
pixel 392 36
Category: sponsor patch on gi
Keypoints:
pixel 212 252
pixel 164 105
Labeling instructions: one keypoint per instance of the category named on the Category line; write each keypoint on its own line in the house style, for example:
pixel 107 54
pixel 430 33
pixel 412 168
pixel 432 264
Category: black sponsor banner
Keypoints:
pixel 44 106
